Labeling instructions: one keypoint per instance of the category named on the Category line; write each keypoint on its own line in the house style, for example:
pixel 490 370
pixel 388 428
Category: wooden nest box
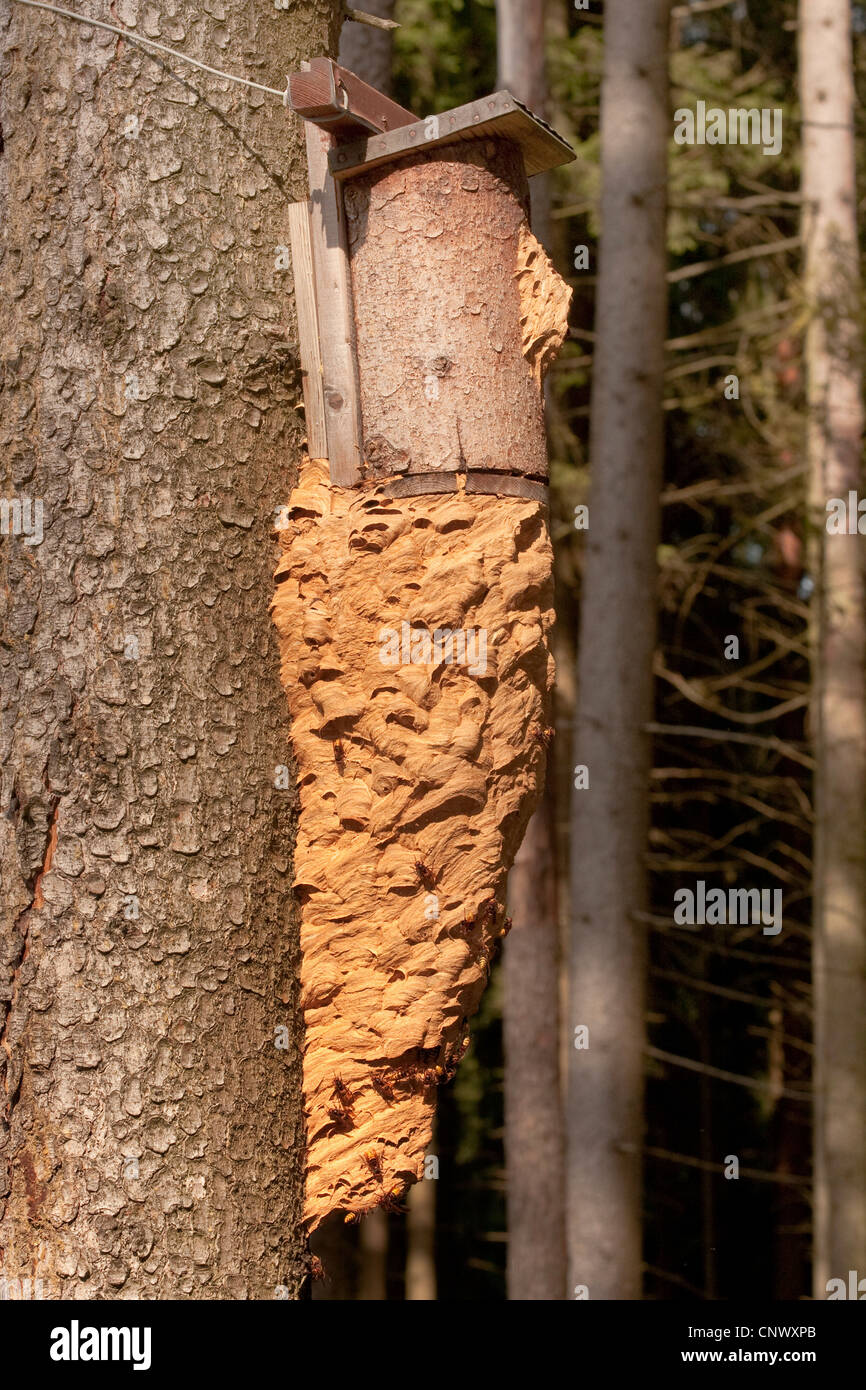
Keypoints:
pixel 427 311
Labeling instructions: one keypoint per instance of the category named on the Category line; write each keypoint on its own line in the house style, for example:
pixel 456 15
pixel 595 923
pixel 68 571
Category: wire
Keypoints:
pixel 151 43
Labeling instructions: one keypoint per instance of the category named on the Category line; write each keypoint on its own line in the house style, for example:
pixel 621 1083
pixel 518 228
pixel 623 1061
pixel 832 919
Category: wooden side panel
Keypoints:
pixel 336 322
pixel 308 328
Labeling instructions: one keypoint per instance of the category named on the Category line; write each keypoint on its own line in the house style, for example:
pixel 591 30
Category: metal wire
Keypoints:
pixel 149 43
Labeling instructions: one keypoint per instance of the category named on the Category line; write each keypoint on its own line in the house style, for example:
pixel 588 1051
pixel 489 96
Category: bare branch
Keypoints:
pixel 774 745
pixel 792 1179
pixel 738 995
pixel 699 7
pixel 748 253
pixel 749 1082
pixel 361 17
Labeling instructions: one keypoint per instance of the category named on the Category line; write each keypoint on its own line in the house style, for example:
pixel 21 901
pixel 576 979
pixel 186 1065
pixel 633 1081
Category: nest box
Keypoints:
pixel 424 302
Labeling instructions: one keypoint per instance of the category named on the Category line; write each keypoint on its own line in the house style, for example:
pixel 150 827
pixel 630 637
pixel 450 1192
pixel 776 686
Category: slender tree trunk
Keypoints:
pixel 520 50
pixel 368 51
pixel 151 1131
pixel 534 1134
pixel 421 1243
pixel 520 27
pixel 617 634
pixel 373 1258
pixel 835 450
pixel 534 1137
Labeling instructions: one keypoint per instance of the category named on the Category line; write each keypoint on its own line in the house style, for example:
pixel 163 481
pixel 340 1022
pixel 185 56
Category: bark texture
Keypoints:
pixel 151 1133
pixel 835 449
pixel 417 778
pixel 437 314
pixel 617 634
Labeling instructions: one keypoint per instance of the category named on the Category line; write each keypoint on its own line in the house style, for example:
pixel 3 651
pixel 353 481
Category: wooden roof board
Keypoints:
pixel 500 114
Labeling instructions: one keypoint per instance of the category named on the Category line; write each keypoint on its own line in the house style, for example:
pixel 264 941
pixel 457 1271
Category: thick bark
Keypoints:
pixel 368 51
pixel 151 1133
pixel 835 445
pixel 610 818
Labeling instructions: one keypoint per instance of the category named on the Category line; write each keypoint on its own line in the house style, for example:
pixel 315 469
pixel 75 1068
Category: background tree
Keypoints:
pixel 368 50
pixel 617 636
pixel 534 1131
pixel 151 1134
pixel 728 1014
pixel 833 355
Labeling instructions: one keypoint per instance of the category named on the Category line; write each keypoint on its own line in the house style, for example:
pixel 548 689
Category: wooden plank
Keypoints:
pixel 335 98
pixel 308 328
pixel 335 313
pixel 499 114
pixel 365 102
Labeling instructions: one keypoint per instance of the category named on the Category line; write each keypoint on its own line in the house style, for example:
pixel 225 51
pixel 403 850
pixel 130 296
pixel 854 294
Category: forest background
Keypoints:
pixel 729 1042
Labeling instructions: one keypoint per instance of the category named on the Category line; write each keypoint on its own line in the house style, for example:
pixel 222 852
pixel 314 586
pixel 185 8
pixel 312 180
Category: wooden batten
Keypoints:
pixel 308 328
pixel 341 401
pixel 335 98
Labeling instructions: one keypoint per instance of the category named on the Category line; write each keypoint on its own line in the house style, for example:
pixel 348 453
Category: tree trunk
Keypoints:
pixel 368 51
pixel 520 50
pixel 421 1243
pixel 521 68
pixel 617 633
pixel 534 1137
pixel 151 1131
pixel 835 444
pixel 373 1258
